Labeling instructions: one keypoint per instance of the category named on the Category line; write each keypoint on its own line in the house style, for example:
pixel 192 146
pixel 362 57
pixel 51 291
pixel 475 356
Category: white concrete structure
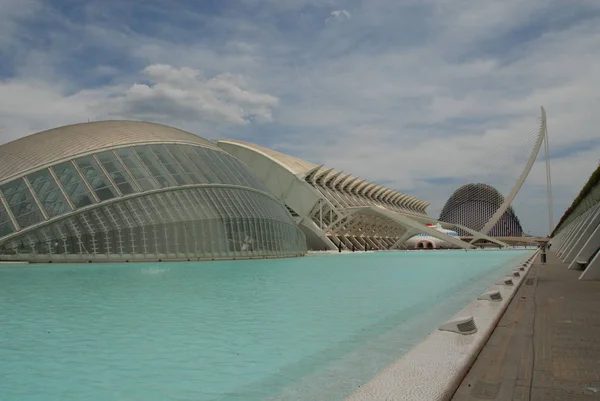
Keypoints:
pixel 576 240
pixel 426 241
pixel 542 137
pixel 337 209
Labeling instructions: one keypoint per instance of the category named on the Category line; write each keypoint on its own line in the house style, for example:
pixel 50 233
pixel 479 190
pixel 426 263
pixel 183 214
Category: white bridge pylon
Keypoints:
pixel 542 137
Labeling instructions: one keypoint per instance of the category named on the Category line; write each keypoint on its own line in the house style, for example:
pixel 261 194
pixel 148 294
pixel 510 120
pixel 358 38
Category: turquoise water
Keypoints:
pixel 238 330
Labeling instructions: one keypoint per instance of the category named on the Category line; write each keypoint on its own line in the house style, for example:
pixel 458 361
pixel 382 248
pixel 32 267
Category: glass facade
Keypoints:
pixel 145 202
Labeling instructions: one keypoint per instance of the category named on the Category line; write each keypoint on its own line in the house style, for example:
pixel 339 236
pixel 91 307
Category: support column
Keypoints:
pixel 388 241
pixel 572 236
pixel 372 245
pixel 578 226
pixel 561 238
pixel 362 242
pixel 588 249
pixel 346 242
pixel 565 238
pixel 563 235
pixel 355 242
pixel 381 242
pixel 588 228
pixel 592 271
pixel 403 238
pixel 573 229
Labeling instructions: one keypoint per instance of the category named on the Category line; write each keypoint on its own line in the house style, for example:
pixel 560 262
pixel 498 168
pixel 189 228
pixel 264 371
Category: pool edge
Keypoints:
pixel 434 368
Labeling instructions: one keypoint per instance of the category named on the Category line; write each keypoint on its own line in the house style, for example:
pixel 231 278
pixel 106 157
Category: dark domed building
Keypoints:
pixel 127 190
pixel 473 205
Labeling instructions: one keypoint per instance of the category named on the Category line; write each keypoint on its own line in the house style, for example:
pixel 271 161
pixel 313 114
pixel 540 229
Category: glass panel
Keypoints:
pixel 241 202
pixel 117 172
pixel 21 203
pixel 190 205
pixel 137 169
pixel 232 201
pixel 73 184
pixel 88 238
pixel 155 167
pixel 96 178
pixel 103 239
pixel 152 222
pixel 175 201
pixel 221 159
pixel 205 204
pixel 253 204
pixel 48 193
pixel 168 208
pixel 6 226
pixel 214 164
pixel 257 202
pixel 117 232
pixel 190 168
pixel 196 159
pixel 244 171
pixel 173 168
pixel 213 200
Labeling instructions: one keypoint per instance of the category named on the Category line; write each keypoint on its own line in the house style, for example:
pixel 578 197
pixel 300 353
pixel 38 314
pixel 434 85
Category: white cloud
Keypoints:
pixel 338 15
pixel 27 106
pixel 179 96
pixel 185 95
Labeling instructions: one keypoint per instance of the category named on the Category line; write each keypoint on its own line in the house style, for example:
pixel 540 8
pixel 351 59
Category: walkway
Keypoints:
pixel 546 347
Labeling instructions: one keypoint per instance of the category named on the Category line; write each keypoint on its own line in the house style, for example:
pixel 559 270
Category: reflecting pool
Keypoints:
pixel 304 328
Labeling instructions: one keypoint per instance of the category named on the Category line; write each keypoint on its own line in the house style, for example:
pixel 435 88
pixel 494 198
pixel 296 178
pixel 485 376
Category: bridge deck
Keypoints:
pixel 513 240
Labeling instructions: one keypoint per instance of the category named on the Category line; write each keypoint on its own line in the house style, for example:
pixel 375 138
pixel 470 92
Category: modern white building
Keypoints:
pixel 336 209
pixel 128 190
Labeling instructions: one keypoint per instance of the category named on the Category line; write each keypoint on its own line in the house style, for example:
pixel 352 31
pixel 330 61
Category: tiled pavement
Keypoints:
pixel 546 347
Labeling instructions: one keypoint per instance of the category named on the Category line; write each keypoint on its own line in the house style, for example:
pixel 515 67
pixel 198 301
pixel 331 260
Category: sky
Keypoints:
pixel 418 95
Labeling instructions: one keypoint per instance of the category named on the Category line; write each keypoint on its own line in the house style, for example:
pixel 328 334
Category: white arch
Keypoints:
pixel 508 200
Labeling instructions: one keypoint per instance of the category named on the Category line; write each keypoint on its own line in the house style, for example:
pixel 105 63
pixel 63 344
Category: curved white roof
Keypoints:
pixel 295 165
pixel 49 147
pixel 327 176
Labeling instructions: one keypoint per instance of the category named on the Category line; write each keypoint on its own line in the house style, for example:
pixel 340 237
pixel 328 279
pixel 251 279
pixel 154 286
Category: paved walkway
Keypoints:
pixel 546 347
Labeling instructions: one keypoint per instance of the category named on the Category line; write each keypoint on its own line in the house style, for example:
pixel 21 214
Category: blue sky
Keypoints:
pixel 418 94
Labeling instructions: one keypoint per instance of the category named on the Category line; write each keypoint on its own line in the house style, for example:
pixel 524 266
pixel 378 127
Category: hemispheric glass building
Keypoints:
pixel 127 190
pixel 473 205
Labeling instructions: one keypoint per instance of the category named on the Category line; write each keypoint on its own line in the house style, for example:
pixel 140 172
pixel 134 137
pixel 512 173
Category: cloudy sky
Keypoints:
pixel 413 94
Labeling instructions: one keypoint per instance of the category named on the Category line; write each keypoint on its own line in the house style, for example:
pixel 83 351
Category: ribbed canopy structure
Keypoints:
pixel 334 208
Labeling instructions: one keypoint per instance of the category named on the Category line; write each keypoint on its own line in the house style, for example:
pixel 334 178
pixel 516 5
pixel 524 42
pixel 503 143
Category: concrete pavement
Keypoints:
pixel 546 347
